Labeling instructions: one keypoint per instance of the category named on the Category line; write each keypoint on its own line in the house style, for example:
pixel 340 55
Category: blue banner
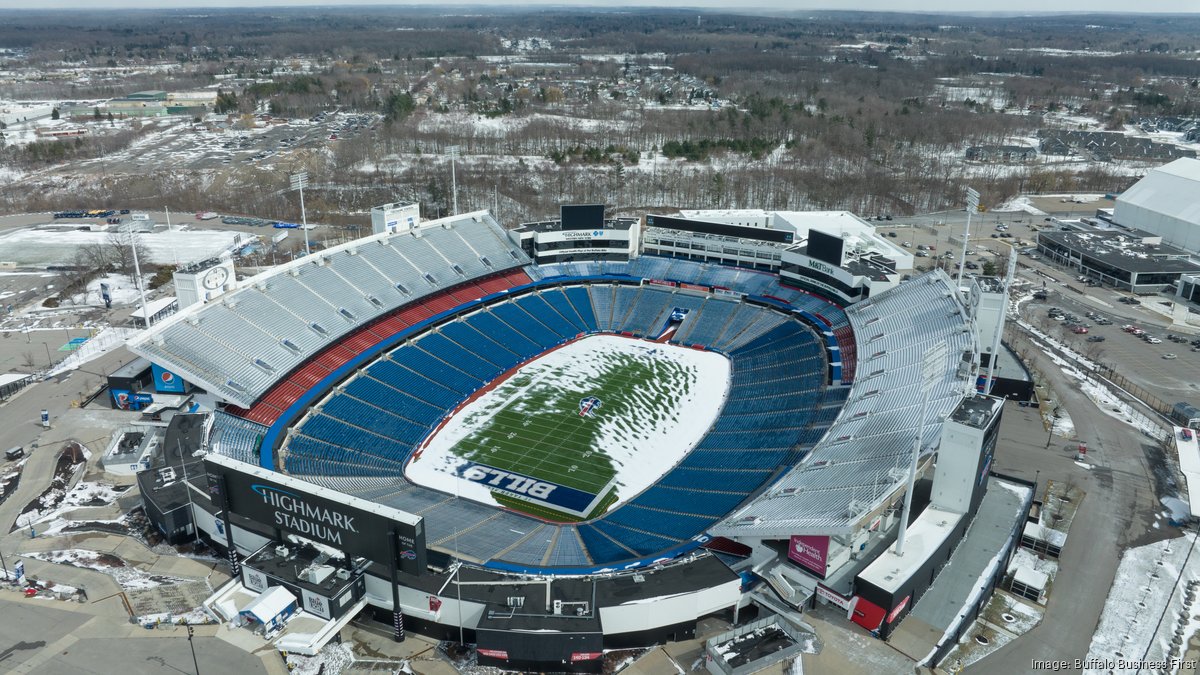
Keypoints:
pixel 126 400
pixel 166 382
pixel 530 489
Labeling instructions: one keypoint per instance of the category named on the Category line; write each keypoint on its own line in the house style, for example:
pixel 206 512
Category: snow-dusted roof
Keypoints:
pixel 1031 577
pixel 864 457
pixel 1170 189
pixel 269 604
pixel 239 345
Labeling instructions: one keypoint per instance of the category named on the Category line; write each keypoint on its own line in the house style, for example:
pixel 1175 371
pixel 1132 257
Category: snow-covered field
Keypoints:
pixel 624 440
pixel 39 246
pixel 1153 601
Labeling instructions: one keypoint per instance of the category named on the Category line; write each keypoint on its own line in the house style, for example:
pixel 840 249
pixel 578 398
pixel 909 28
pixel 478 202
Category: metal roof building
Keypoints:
pixel 1167 203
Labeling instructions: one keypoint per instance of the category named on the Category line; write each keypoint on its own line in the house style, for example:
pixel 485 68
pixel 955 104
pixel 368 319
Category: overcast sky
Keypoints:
pixel 1009 6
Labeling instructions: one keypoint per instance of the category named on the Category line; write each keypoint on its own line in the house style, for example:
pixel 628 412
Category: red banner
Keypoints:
pixel 585 656
pixel 810 552
pixel 897 609
pixel 494 653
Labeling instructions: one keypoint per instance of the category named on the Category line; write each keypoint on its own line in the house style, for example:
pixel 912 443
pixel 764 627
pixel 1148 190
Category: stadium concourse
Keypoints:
pixel 336 368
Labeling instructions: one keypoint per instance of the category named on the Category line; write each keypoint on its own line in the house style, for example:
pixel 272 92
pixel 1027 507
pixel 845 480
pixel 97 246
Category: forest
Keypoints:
pixel 649 110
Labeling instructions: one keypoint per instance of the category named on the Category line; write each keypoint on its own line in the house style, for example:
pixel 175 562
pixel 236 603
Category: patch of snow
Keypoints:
pixel 1147 604
pixel 333 659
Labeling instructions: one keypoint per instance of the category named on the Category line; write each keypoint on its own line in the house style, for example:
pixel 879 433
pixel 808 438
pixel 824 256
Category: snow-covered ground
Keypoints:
pixel 121 288
pixel 40 246
pixel 130 578
pixel 1153 600
pixel 331 660
pixel 695 400
pixel 1019 204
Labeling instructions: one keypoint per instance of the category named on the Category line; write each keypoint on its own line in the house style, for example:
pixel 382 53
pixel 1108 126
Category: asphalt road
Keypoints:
pixel 38 637
pixel 1122 491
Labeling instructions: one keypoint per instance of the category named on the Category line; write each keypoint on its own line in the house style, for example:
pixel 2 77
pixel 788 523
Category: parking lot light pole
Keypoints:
pixel 195 664
pixel 299 182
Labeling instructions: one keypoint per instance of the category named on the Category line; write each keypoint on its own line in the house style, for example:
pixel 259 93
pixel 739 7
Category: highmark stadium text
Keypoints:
pixel 314 520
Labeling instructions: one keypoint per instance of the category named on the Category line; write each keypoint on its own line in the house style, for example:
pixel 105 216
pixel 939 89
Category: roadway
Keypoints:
pixel 1117 512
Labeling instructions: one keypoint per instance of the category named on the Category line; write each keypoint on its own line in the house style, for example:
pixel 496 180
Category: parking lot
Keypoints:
pixel 1142 362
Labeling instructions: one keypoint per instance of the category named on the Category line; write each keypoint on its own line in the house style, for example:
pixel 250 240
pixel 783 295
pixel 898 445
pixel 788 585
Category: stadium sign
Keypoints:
pixel 553 495
pixel 810 552
pixel 585 234
pixel 347 523
pixel 833 596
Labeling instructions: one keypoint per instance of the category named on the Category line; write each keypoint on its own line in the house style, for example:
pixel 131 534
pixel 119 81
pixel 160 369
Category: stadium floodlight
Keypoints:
pixel 932 362
pixel 452 152
pixel 299 182
pixel 137 270
pixel 972 205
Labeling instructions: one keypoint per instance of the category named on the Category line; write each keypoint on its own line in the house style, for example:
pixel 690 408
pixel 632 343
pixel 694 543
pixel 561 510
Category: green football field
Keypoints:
pixel 532 424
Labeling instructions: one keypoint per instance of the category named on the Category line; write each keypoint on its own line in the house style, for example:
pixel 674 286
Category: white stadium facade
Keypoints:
pixel 312 384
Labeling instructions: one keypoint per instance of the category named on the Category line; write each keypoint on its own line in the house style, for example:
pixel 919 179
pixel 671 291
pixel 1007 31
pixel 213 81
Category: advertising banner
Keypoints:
pixel 315 604
pixel 166 382
pixel 809 552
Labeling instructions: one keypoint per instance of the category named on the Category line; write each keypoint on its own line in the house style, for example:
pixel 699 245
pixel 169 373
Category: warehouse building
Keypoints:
pixel 1131 260
pixel 1165 203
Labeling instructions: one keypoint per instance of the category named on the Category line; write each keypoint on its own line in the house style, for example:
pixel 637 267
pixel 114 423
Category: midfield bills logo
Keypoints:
pixel 589 405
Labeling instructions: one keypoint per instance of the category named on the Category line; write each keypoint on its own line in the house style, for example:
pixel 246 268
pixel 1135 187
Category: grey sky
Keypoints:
pixel 1008 7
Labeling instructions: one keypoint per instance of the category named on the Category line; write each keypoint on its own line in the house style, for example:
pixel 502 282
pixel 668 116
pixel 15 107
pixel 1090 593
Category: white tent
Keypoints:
pixel 271 606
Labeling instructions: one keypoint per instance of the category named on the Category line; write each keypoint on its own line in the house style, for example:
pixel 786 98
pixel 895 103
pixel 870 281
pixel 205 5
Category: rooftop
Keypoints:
pixel 977 411
pixel 864 268
pixel 1003 506
pixel 990 284
pixel 923 538
pixel 556 225
pixel 1123 250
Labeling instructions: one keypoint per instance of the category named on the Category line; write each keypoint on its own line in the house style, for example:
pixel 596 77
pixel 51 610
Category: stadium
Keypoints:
pixel 543 449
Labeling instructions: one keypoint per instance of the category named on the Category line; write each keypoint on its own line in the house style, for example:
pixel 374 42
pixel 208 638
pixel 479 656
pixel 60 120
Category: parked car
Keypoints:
pixel 1095 338
pixel 1169 356
pixel 1080 330
pixel 1153 340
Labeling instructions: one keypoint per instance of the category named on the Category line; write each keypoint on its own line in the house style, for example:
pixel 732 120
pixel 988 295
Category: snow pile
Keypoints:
pixel 194 617
pixel 1019 205
pixel 92 494
pixel 1151 608
pixel 670 414
pixel 331 660
pixel 129 578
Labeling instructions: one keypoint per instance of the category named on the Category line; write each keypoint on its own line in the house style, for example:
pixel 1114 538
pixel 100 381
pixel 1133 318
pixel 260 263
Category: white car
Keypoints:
pixel 1169 356
pixel 1154 341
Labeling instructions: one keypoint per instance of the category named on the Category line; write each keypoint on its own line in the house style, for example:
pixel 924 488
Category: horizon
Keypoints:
pixel 942 7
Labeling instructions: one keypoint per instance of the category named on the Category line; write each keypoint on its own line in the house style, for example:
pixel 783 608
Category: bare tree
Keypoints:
pixel 122 246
